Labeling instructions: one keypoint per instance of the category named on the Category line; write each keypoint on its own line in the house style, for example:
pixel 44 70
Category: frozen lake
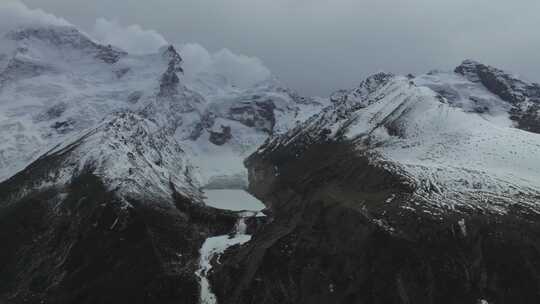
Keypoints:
pixel 232 199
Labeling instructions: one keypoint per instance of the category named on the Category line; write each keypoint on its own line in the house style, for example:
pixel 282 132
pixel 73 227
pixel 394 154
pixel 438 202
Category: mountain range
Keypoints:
pixel 404 189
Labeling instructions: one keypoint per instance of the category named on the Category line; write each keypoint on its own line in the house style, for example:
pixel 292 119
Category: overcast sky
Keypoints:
pixel 317 46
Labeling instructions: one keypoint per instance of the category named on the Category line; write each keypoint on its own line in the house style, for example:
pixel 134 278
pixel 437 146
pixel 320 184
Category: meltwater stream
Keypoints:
pixel 217 245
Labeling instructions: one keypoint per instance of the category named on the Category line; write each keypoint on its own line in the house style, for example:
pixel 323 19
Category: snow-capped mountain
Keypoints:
pixel 55 82
pixel 405 190
pixel 105 153
pixel 446 134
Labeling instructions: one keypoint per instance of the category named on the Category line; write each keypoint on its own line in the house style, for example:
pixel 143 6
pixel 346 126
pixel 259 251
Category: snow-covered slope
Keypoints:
pixel 131 155
pixel 231 127
pixel 450 138
pixel 55 83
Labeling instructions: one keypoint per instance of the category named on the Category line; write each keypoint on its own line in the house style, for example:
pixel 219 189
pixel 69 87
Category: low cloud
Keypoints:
pixel 132 38
pixel 240 70
pixel 14 14
pixel 318 46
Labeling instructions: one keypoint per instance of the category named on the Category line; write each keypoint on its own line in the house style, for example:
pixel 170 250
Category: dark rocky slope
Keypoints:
pixel 353 223
pixel 330 241
pixel 84 242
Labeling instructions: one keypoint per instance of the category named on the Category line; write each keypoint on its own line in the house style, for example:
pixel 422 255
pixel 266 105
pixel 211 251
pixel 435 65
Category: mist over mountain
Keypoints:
pixel 318 46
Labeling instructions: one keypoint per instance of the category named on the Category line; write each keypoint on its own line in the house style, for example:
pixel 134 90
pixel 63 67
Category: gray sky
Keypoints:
pixel 317 46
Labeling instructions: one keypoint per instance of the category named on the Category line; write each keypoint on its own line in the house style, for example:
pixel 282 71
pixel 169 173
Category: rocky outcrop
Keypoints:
pixel 220 138
pixel 524 96
pixel 255 114
pixel 529 119
pixel 168 84
pixel 502 84
pixel 173 58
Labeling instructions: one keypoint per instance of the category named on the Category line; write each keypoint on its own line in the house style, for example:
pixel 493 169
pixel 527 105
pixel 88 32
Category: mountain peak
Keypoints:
pixel 169 80
pixel 508 87
pixel 173 57
pixel 65 38
pixel 358 95
pixel 470 68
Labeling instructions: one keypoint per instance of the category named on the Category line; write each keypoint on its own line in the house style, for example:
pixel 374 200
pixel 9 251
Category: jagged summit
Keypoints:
pixel 357 96
pixel 169 80
pixel 173 57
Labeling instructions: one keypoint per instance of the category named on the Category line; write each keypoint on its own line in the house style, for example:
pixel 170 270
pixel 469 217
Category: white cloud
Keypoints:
pixel 132 38
pixel 14 14
pixel 240 70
